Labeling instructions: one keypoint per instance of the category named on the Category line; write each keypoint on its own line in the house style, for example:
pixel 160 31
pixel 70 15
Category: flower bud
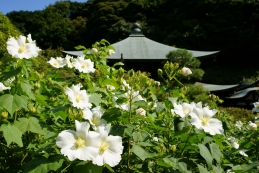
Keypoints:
pixel 173 148
pixel 160 72
pixel 37 85
pixel 4 115
pixel 141 112
pixel 131 73
pixel 94 51
pixel 32 109
pixel 252 126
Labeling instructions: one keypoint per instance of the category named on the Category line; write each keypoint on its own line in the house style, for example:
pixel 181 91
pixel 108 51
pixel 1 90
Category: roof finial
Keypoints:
pixel 136 30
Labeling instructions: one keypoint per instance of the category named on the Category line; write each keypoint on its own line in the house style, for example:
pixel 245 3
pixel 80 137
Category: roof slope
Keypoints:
pixel 138 47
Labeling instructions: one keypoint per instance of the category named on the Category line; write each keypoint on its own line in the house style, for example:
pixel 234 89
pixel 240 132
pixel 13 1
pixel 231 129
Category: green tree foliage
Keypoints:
pixel 186 59
pixel 7 29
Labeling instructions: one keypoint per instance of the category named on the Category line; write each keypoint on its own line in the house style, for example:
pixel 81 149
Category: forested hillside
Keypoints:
pixel 231 26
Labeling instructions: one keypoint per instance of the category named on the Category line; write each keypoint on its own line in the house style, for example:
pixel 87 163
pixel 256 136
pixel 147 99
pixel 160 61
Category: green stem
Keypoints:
pixel 186 141
pixel 129 138
pixel 65 168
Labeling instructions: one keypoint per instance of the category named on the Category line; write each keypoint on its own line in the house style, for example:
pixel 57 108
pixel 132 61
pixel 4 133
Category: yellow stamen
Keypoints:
pixel 205 120
pixel 96 121
pixel 78 98
pixel 186 111
pixel 84 65
pixel 56 63
pixel 22 49
pixel 104 146
pixel 79 143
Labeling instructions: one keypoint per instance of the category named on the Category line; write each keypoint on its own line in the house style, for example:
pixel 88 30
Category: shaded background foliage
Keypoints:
pixel 227 25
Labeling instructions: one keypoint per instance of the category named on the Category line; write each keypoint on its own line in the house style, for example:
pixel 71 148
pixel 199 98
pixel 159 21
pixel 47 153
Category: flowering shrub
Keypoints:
pixel 106 119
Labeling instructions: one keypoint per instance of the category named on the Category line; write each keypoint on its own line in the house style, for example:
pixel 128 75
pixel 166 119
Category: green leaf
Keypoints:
pixel 183 167
pixel 42 164
pixel 215 152
pixel 117 130
pixel 205 153
pixel 171 161
pixel 95 99
pixel 87 167
pixel 29 124
pixel 13 102
pixel 10 73
pixel 140 136
pixel 26 87
pixel 11 134
pixel 160 107
pixel 79 47
pixel 141 103
pixel 141 153
pixel 41 100
pixel 112 114
pixel 118 63
pixel 202 169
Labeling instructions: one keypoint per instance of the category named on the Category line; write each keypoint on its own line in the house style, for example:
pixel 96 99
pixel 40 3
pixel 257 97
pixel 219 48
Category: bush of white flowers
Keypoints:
pixel 106 119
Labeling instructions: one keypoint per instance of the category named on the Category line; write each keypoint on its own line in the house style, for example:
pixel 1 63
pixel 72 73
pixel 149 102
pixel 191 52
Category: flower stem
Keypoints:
pixel 186 141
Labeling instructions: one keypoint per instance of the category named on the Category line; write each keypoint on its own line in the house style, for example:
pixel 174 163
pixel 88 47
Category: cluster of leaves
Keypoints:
pixel 236 114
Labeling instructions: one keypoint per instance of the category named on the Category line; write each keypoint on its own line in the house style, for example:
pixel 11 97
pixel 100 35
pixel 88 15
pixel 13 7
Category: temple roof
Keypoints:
pixel 138 47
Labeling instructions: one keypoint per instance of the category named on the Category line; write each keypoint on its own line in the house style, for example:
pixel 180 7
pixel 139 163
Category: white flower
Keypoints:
pixel 183 110
pixel 111 52
pixel 202 119
pixel 125 85
pixel 94 51
pixel 21 49
pixel 110 87
pixel 141 112
pixel 2 87
pixel 229 171
pixel 10 80
pixel 186 71
pixel 79 98
pixel 57 62
pixel 110 148
pixel 252 126
pixel 239 124
pixel 155 139
pixel 79 144
pixel 243 153
pixel 68 61
pixel 83 65
pixel 94 116
pixel 256 107
pixel 234 142
pixel 130 96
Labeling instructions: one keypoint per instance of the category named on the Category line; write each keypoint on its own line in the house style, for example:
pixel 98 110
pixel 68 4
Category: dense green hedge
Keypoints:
pixel 7 29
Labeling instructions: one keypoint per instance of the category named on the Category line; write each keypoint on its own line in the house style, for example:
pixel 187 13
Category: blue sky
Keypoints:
pixel 7 6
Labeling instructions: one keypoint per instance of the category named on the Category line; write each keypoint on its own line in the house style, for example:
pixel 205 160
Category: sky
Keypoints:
pixel 7 6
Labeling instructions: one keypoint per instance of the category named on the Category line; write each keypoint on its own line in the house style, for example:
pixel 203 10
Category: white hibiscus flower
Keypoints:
pixel 21 48
pixel 183 110
pixel 69 61
pixel 202 118
pixel 110 148
pixel 57 62
pixel 80 144
pixel 83 65
pixel 243 153
pixel 2 87
pixel 94 116
pixel 79 98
